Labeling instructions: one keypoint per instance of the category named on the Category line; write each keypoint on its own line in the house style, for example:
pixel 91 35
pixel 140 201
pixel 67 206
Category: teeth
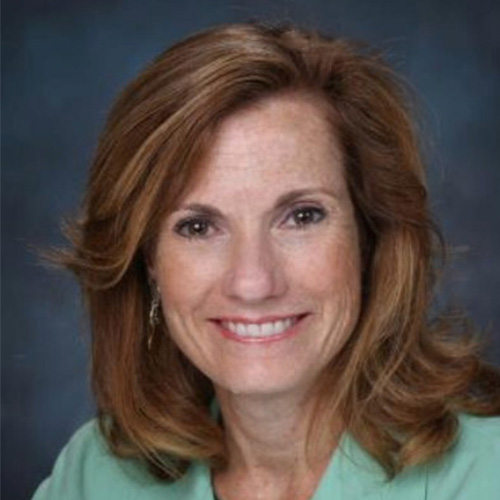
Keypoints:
pixel 253 330
pixel 259 330
pixel 267 328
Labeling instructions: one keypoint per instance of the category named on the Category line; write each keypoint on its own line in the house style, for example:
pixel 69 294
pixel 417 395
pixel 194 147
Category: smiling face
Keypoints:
pixel 259 265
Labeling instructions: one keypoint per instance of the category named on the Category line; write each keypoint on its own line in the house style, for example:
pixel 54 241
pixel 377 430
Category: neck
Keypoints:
pixel 267 441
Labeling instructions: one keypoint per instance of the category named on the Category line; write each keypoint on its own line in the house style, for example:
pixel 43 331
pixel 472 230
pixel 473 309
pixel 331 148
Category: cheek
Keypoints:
pixel 331 268
pixel 185 275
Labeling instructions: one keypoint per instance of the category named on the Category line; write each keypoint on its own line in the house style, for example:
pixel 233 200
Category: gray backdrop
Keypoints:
pixel 63 61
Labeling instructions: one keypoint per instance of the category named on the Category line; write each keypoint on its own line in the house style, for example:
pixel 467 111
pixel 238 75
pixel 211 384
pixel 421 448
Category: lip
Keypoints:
pixel 290 332
pixel 257 321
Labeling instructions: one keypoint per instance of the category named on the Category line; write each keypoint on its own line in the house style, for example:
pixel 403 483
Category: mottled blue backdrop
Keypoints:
pixel 63 61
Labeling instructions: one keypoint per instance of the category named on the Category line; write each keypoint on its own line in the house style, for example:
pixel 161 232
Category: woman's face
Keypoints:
pixel 259 265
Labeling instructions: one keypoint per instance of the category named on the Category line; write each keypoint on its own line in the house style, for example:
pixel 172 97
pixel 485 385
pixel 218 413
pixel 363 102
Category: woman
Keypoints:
pixel 257 255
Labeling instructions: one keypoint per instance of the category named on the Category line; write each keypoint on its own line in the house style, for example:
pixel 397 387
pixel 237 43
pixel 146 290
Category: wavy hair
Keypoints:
pixel 399 381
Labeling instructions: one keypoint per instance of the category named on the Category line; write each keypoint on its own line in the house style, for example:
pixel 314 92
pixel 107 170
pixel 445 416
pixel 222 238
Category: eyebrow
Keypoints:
pixel 282 201
pixel 288 198
pixel 201 208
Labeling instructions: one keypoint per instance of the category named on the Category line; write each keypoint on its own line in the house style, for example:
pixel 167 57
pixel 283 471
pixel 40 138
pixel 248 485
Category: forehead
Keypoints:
pixel 278 143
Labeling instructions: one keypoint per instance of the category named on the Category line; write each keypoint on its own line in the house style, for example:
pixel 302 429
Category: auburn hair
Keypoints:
pixel 400 380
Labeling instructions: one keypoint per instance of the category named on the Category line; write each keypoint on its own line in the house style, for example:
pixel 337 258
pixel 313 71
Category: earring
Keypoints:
pixel 154 316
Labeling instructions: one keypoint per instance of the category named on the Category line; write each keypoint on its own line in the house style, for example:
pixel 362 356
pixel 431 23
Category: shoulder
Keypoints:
pixel 470 468
pixel 479 432
pixel 478 443
pixel 87 470
pixel 467 471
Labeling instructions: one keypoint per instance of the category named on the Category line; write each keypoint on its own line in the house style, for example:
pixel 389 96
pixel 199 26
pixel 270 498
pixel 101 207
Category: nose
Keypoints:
pixel 255 272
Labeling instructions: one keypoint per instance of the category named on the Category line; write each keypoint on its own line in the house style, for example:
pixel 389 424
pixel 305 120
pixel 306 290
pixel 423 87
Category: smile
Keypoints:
pixel 260 330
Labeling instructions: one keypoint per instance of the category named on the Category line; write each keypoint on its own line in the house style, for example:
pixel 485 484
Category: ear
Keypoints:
pixel 150 264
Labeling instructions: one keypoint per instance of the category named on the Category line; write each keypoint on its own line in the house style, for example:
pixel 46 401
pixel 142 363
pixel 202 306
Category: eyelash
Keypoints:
pixel 317 214
pixel 186 226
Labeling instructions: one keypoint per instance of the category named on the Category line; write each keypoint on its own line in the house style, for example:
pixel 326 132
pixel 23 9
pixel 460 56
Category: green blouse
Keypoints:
pixel 85 470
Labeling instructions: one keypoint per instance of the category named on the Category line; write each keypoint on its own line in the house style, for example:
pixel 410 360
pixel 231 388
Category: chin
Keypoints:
pixel 264 383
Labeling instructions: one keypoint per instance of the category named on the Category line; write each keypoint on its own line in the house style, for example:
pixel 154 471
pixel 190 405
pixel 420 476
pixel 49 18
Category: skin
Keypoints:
pixel 245 245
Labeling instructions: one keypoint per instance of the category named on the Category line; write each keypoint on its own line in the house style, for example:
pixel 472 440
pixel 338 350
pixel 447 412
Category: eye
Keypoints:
pixel 194 227
pixel 305 216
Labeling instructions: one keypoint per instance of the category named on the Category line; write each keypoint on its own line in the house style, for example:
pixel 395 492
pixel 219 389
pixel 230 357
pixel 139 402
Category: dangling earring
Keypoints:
pixel 154 316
